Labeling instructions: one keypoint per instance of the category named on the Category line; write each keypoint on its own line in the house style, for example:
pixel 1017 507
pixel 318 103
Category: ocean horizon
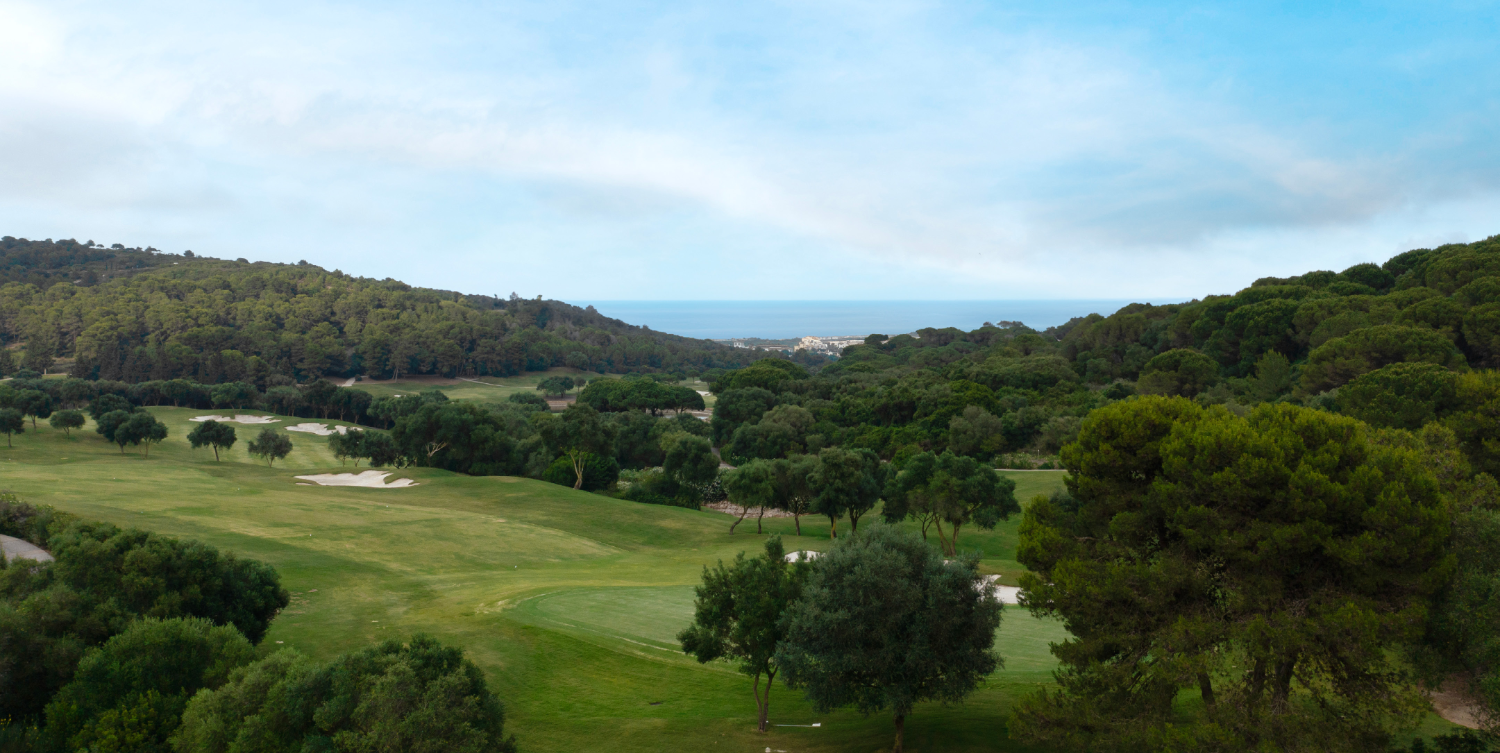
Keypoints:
pixel 776 320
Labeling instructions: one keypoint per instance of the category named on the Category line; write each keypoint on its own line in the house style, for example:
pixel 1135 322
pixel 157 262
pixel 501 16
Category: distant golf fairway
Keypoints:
pixel 569 601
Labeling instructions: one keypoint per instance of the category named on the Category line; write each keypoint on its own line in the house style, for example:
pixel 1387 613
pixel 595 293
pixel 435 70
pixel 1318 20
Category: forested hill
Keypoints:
pixel 1440 305
pixel 1398 345
pixel 135 315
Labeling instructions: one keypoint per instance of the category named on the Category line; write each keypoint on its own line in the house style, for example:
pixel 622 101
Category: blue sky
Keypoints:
pixel 798 150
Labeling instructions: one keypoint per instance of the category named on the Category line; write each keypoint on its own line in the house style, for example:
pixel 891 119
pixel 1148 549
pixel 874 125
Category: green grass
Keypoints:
pixel 570 602
pixel 495 389
pixel 479 389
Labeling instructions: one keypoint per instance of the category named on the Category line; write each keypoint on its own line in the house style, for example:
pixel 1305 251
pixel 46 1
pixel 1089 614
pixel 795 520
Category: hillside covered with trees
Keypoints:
pixel 137 315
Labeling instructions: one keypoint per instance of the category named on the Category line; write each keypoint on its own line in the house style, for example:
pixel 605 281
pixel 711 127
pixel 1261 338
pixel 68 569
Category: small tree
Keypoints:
pixel 11 422
pixel 557 386
pixel 141 428
pixel 108 403
pixel 106 424
pixel 35 404
pixel 690 461
pixel 738 612
pixel 212 434
pixel 949 488
pixel 750 485
pixel 845 481
pixel 67 420
pixel 884 622
pixel 349 444
pixel 383 451
pixel 791 479
pixel 579 433
pixel 271 445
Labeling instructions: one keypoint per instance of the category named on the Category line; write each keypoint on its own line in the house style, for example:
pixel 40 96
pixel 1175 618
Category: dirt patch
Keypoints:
pixel 434 381
pixel 321 430
pixel 730 508
pixel 1006 594
pixel 367 479
pixel 1454 702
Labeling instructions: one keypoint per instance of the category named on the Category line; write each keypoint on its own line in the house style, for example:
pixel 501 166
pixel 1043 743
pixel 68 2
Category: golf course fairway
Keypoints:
pixel 569 601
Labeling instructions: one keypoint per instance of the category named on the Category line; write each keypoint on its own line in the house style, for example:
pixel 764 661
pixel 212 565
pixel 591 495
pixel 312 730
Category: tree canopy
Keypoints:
pixel 413 695
pixel 884 623
pixel 738 615
pixel 1272 562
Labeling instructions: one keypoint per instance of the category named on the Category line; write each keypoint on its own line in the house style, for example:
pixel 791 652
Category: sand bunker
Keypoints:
pixel 15 549
pixel 237 419
pixel 1006 594
pixel 805 555
pixel 321 430
pixel 368 479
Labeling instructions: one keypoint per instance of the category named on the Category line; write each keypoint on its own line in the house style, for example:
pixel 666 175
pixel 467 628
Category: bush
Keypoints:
pixel 416 696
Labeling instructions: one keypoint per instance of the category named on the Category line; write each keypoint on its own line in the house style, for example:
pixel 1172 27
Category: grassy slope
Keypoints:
pixel 569 601
pixel 494 389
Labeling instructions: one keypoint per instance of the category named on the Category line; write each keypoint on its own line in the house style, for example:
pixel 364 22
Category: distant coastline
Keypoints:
pixel 776 320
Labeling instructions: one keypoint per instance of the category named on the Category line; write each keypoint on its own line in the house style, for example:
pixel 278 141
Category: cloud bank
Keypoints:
pixel 796 150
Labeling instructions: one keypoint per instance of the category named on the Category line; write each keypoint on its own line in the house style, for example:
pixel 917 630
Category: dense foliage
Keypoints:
pixel 884 623
pixel 1273 563
pixel 414 696
pixel 738 615
pixel 213 321
pixel 103 579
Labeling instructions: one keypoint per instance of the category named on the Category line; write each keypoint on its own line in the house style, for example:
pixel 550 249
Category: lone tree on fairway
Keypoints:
pixel 140 428
pixel 11 422
pixel 212 434
pixel 738 612
pixel 1275 563
pixel 67 420
pixel 105 424
pixel 884 623
pixel 557 386
pixel 271 445
pixel 578 434
pixel 949 488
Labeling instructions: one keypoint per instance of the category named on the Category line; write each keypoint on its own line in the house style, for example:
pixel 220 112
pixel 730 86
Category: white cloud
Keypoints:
pixel 891 148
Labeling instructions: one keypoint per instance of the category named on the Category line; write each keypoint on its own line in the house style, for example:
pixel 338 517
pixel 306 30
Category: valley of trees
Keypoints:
pixel 1281 505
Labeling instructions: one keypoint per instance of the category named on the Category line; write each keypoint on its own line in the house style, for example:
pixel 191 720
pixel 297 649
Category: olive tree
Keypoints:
pixel 271 445
pixel 212 434
pixel 884 622
pixel 738 615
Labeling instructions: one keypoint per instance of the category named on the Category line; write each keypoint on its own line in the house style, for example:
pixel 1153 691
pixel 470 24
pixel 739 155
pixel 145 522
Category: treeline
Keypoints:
pixel 216 321
pixel 131 641
pixel 38 398
pixel 1398 344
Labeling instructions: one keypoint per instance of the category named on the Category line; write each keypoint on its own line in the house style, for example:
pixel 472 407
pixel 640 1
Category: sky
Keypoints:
pixel 816 149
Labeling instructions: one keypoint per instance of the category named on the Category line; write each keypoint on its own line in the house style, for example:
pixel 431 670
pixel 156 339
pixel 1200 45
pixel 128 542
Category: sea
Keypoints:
pixel 779 320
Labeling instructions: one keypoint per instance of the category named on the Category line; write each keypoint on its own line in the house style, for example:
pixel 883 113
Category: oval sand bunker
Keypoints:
pixel 368 479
